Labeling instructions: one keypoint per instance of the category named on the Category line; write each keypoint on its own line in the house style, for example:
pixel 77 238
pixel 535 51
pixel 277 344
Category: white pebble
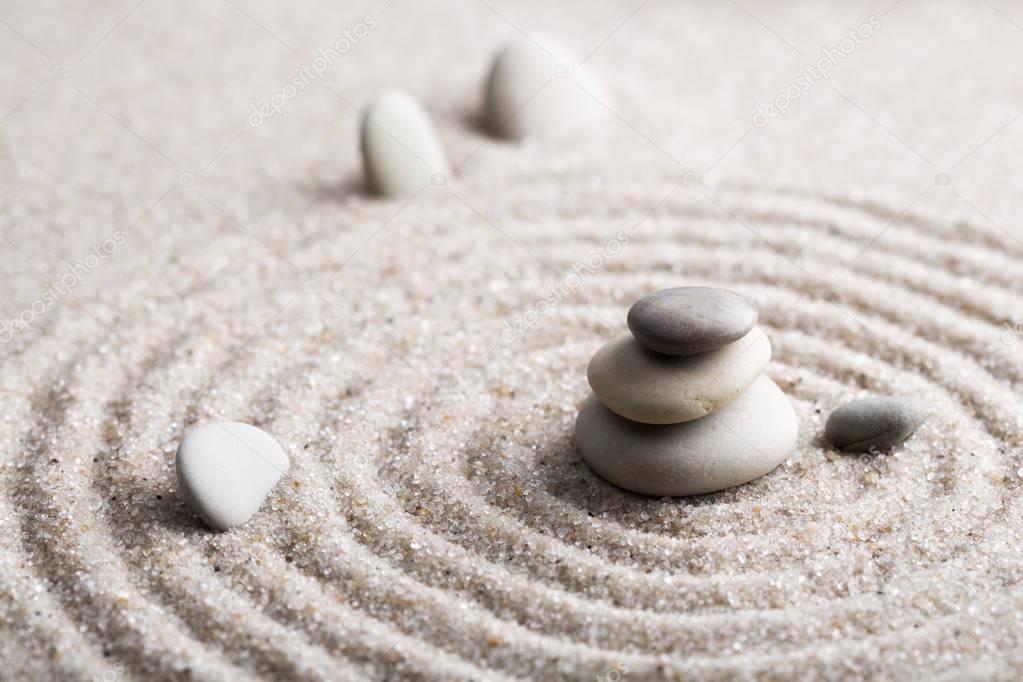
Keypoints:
pixel 652 388
pixel 401 150
pixel 226 469
pixel 545 95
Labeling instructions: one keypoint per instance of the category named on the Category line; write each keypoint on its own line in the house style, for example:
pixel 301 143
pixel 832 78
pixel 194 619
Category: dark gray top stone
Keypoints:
pixel 690 320
pixel 873 423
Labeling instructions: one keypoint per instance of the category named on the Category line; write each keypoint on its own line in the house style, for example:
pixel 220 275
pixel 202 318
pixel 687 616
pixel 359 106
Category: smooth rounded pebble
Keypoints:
pixel 873 423
pixel 541 92
pixel 653 388
pixel 690 320
pixel 226 469
pixel 740 442
pixel 401 151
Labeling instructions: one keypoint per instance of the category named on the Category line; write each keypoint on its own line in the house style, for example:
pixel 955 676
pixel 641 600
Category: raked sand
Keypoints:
pixel 437 522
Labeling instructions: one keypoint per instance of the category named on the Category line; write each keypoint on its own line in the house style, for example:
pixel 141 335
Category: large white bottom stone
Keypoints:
pixel 742 441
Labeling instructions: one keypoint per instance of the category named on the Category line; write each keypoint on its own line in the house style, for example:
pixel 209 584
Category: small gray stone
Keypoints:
pixel 690 320
pixel 740 442
pixel 226 469
pixel 873 423
pixel 653 388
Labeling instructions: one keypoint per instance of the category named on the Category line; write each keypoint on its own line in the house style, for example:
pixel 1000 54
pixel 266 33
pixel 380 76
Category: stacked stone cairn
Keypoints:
pixel 681 406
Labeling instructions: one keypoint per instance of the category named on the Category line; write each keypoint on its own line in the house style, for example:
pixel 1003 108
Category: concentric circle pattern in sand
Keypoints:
pixel 422 362
pixel 437 517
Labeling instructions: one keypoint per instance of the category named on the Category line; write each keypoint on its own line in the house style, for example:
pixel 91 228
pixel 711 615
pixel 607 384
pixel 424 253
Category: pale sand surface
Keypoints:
pixel 437 522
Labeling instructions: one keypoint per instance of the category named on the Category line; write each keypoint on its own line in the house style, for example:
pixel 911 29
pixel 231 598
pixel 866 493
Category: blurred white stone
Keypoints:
pixel 401 150
pixel 539 90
